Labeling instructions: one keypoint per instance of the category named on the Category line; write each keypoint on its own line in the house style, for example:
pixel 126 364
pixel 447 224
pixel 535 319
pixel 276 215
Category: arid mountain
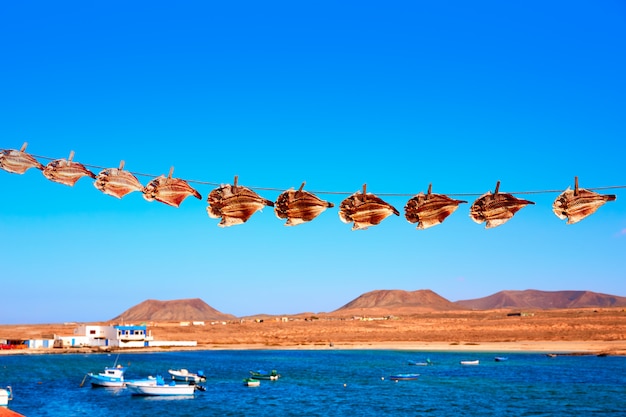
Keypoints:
pixel 534 299
pixel 396 302
pixel 387 303
pixel 192 309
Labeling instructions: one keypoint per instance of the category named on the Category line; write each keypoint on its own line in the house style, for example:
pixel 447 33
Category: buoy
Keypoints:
pixel 344 385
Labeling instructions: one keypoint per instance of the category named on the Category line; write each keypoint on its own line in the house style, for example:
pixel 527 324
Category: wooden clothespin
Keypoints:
pixel 300 189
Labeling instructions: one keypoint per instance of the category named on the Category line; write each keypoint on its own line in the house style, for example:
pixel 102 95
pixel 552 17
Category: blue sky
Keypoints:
pixel 337 94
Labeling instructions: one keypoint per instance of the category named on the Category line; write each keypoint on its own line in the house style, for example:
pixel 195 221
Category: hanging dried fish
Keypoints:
pixel 116 182
pixel 497 208
pixel 168 190
pixel 18 162
pixel 66 171
pixel 574 205
pixel 234 204
pixel 428 210
pixel 365 210
pixel 299 206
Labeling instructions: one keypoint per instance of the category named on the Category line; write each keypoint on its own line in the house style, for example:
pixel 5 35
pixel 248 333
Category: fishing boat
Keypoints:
pixel 475 362
pixel 111 377
pixel 159 388
pixel 272 376
pixel 251 382
pixel 403 377
pixel 186 376
pixel 150 380
pixel 6 394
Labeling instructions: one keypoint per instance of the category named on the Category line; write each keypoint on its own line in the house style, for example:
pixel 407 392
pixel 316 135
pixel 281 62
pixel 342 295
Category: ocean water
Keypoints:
pixel 326 383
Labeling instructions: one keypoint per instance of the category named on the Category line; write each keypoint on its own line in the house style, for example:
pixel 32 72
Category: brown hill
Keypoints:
pixel 534 299
pixel 396 302
pixel 192 309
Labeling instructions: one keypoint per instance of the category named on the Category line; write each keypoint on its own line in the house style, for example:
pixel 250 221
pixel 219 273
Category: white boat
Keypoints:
pixel 404 377
pixel 111 377
pixel 159 387
pixel 475 362
pixel 251 382
pixel 186 376
pixel 150 380
pixel 5 396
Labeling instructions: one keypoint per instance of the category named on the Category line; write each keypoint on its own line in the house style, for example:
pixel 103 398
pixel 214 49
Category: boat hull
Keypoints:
pixel 160 390
pixel 103 381
pixel 269 376
pixel 266 377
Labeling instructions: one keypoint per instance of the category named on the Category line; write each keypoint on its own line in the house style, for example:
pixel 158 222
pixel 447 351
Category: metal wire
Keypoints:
pixel 258 188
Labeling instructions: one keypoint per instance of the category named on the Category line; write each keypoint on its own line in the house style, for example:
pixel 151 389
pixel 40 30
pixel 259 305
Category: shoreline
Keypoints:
pixel 610 348
pixel 578 331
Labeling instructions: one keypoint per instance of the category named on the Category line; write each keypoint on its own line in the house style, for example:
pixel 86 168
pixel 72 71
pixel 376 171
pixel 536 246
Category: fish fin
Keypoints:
pixel 294 221
pixel 228 221
pixel 213 213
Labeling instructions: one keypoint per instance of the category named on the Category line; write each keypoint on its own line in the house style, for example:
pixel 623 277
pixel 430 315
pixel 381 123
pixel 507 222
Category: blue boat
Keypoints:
pixel 111 377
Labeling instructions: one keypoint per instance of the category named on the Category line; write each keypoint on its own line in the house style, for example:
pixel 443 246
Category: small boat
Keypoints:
pixel 251 382
pixel 111 377
pixel 186 376
pixel 6 394
pixel 272 376
pixel 551 355
pixel 403 377
pixel 150 380
pixel 475 362
pixel 428 362
pixel 501 358
pixel 159 387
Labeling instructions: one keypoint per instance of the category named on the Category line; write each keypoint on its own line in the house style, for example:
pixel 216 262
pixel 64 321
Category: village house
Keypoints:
pixel 118 336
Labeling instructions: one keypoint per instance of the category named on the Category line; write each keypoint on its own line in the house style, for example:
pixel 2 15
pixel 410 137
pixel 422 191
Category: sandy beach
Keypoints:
pixel 580 331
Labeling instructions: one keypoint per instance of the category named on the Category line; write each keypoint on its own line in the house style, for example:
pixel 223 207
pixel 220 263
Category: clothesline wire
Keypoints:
pixel 139 174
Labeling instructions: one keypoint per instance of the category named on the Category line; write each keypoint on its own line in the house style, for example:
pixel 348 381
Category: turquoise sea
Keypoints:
pixel 326 383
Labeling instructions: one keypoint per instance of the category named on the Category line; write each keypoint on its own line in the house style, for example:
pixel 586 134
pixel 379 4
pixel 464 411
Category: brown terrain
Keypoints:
pixel 509 320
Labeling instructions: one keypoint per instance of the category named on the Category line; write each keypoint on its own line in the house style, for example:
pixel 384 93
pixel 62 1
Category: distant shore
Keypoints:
pixel 576 331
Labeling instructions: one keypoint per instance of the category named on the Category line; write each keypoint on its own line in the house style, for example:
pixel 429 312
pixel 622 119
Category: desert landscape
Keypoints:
pixel 578 322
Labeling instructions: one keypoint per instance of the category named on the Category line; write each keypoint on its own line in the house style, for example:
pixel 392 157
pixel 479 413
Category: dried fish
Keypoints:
pixel 365 210
pixel 66 171
pixel 18 162
pixel 234 204
pixel 299 206
pixel 116 182
pixel 428 210
pixel 574 205
pixel 168 190
pixel 497 208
